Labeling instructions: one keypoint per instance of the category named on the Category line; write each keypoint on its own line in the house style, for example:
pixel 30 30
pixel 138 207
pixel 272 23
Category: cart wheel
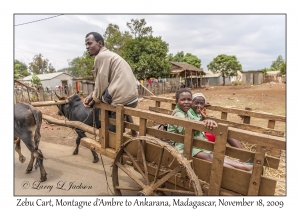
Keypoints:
pixel 167 164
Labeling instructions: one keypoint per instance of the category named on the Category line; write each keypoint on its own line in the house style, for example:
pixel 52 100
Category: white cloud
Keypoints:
pixel 206 36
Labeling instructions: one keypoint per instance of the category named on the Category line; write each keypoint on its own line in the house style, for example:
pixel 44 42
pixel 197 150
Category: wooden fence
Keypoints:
pixel 21 94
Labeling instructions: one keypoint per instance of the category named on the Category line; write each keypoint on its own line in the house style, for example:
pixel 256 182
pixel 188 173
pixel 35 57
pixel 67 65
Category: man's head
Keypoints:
pixel 93 43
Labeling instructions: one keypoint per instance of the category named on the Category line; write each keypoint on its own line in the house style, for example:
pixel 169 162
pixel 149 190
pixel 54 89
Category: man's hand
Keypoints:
pixel 210 124
pixel 88 101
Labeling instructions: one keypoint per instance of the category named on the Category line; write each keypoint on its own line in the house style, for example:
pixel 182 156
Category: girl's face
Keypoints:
pixel 198 103
pixel 184 101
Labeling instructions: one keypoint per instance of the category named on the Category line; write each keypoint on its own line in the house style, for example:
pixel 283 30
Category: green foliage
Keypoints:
pixel 81 66
pixel 192 59
pixel 115 39
pixel 20 70
pixel 276 64
pixel 282 68
pixel 187 58
pixel 138 28
pixel 226 65
pixel 235 83
pixel 178 57
pixel 265 70
pixel 51 69
pixel 35 80
pixel 147 57
pixel 40 65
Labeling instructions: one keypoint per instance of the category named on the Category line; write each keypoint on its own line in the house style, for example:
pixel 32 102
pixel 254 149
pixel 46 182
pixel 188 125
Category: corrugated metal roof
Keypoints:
pixel 209 74
pixel 46 76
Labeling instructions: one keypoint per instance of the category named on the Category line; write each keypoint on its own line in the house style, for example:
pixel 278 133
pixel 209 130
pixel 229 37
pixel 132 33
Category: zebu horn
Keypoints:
pixel 71 96
pixel 58 96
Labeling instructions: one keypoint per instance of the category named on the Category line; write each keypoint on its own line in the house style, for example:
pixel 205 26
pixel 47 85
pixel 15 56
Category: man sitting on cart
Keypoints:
pixel 115 82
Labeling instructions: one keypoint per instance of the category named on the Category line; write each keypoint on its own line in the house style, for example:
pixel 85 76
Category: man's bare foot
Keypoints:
pixel 132 133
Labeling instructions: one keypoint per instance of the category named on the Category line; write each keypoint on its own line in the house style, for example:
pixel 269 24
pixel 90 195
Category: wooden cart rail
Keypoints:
pixel 243 126
pixel 214 178
pixel 224 112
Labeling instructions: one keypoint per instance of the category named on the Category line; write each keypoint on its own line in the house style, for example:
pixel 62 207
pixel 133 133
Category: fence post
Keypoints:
pixel 247 118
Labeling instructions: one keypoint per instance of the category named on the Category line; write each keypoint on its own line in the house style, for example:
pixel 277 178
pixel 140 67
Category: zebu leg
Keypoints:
pixel 39 163
pixel 75 152
pixel 39 156
pixel 82 135
pixel 27 139
pixel 30 164
pixel 18 150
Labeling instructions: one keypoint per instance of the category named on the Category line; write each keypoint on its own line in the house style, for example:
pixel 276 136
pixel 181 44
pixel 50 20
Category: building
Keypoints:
pixel 53 80
pixel 272 76
pixel 191 73
pixel 215 79
pixel 252 77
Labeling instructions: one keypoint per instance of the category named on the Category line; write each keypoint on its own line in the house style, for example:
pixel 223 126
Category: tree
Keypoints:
pixel 192 59
pixel 35 80
pixel 115 39
pixel 187 58
pixel 81 66
pixel 178 57
pixel 40 65
pixel 147 57
pixel 276 64
pixel 51 69
pixel 226 65
pixel 138 28
pixel 20 69
pixel 282 68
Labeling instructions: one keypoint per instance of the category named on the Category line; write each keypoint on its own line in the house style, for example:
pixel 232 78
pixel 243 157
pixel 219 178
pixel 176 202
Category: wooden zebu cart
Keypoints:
pixel 157 168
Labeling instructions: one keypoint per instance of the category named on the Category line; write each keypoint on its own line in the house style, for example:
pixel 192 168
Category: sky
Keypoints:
pixel 255 39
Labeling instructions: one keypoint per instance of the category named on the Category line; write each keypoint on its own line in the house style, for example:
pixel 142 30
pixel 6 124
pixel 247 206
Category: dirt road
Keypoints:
pixel 67 174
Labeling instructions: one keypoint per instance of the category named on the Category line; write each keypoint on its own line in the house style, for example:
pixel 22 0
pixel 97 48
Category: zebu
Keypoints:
pixel 75 111
pixel 27 124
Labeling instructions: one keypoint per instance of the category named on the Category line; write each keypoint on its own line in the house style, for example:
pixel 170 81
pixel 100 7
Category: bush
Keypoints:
pixel 235 83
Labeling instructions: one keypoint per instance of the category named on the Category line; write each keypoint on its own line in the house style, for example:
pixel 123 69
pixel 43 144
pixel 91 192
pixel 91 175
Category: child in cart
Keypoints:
pixel 198 112
pixel 183 105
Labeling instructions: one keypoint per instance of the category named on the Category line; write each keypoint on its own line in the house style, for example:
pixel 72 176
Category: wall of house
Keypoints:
pixel 252 78
pixel 216 81
pixel 57 81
